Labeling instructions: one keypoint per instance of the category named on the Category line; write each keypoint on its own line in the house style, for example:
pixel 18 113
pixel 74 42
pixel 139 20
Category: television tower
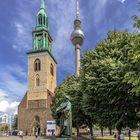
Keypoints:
pixel 77 38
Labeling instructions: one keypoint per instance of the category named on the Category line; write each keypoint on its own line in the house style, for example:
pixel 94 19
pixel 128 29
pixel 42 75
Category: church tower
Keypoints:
pixel 34 110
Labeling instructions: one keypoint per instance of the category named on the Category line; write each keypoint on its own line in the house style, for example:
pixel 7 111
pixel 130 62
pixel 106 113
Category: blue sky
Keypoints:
pixel 17 20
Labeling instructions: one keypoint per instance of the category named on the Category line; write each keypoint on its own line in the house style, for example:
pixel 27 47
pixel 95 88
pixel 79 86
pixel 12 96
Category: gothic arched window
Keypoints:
pixel 37 119
pixel 37 80
pixel 51 69
pixel 37 65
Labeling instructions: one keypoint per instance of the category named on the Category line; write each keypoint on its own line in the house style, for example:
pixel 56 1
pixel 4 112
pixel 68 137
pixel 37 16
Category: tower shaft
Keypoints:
pixel 77 59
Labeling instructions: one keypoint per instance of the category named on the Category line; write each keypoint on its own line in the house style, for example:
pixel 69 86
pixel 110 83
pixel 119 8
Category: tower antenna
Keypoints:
pixel 70 6
pixel 77 9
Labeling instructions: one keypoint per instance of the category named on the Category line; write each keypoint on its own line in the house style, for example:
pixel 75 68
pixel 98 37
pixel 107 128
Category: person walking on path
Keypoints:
pixel 21 134
pixel 121 136
pixel 36 134
pixel 129 134
pixel 139 135
pixel 117 135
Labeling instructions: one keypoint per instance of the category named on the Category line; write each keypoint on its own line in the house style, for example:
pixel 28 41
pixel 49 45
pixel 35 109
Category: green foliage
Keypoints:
pixel 133 75
pixel 107 98
pixel 1 129
pixel 4 128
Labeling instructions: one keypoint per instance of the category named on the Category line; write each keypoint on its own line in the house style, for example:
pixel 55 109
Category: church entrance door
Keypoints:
pixel 36 126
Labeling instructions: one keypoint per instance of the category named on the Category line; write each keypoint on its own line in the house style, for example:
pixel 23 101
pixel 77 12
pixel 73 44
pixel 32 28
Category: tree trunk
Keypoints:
pixel 77 128
pixel 102 131
pixel 110 131
pixel 91 130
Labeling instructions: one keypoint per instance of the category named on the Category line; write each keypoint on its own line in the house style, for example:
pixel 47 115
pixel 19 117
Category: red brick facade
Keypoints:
pixel 27 113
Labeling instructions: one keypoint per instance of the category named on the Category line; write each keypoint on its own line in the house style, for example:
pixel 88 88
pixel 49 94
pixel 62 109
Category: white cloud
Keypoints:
pixel 20 28
pixel 122 1
pixel 11 83
pixel 99 10
pixel 12 88
pixel 4 106
pixel 15 47
pixel 14 104
pixel 8 107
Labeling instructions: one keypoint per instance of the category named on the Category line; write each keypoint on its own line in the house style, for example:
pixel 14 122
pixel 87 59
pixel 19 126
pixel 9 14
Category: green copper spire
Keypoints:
pixel 41 36
pixel 42 18
pixel 42 6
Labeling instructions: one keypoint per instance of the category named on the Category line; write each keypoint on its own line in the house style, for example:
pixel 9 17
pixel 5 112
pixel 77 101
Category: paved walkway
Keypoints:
pixel 33 138
pixel 24 138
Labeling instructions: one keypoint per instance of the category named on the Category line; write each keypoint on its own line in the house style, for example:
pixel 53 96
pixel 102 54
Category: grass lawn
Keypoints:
pixel 112 138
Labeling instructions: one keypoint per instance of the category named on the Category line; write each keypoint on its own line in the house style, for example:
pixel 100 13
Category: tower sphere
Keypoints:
pixel 77 36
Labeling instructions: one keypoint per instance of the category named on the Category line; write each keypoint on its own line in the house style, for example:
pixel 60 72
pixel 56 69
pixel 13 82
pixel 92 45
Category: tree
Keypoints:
pixel 107 97
pixel 136 19
pixel 4 128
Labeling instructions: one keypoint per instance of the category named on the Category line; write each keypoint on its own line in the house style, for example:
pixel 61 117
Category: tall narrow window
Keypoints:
pixel 37 80
pixel 40 19
pixel 44 20
pixel 52 69
pixel 37 65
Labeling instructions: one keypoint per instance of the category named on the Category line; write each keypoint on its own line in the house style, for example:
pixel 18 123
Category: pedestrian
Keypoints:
pixel 139 135
pixel 53 132
pixel 21 134
pixel 129 134
pixel 121 136
pixel 36 134
pixel 26 133
pixel 117 135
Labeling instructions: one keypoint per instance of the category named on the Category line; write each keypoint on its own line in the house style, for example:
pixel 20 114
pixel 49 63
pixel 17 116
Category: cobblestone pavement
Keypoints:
pixel 24 138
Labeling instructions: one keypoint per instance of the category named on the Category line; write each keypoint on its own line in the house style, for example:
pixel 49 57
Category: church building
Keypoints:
pixel 34 110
